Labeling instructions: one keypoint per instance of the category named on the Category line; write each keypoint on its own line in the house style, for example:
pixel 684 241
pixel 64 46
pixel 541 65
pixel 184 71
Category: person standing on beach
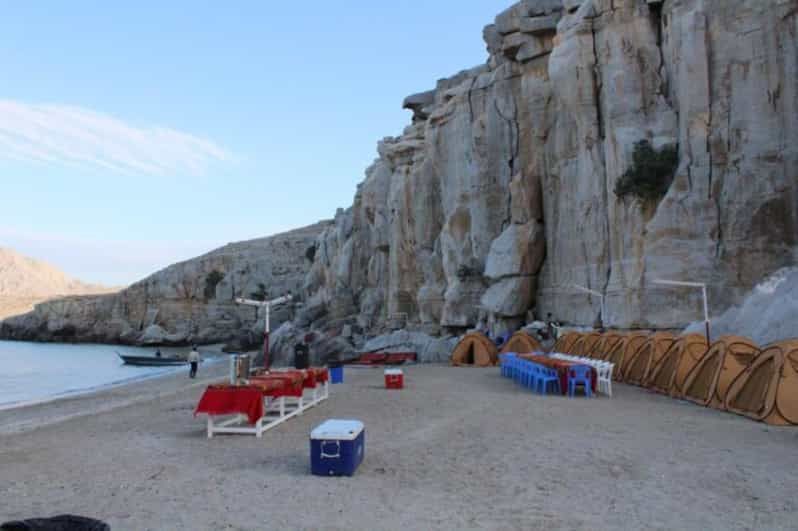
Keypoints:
pixel 193 359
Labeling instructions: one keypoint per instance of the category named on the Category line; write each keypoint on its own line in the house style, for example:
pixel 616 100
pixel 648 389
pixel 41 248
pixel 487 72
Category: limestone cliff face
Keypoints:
pixel 499 198
pixel 193 301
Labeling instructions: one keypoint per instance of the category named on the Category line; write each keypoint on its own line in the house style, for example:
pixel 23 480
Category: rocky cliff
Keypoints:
pixel 193 301
pixel 499 197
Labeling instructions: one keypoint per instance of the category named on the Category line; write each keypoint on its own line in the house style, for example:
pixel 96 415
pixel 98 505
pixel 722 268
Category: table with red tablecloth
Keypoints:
pixel 562 367
pixel 232 400
pixel 290 384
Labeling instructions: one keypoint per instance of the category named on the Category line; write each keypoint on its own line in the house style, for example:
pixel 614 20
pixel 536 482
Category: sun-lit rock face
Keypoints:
pixel 499 197
pixel 193 301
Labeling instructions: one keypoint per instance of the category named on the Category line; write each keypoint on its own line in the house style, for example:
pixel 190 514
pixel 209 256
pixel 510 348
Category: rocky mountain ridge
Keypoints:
pixel 192 301
pixel 498 200
pixel 25 281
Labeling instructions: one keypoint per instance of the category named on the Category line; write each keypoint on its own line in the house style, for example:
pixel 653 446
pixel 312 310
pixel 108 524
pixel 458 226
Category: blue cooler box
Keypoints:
pixel 337 447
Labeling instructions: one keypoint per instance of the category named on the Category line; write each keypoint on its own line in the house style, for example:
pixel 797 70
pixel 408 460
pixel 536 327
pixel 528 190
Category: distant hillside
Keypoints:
pixel 25 282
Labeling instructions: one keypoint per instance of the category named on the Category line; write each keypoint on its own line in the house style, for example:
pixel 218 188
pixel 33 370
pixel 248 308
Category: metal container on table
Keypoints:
pixel 240 365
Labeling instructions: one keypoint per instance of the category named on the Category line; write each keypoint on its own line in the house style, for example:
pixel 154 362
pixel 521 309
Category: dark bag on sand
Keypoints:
pixel 64 522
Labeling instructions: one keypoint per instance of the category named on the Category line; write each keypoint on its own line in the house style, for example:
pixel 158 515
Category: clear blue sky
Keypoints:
pixel 136 134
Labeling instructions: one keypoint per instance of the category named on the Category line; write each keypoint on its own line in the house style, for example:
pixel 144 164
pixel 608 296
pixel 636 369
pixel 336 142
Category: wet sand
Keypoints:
pixel 457 449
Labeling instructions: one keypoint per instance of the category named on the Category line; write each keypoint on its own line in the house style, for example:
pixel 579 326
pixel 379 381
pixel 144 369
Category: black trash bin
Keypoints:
pixel 301 356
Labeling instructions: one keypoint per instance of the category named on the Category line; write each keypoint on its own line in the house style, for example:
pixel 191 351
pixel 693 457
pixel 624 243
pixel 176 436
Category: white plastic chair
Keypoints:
pixel 605 378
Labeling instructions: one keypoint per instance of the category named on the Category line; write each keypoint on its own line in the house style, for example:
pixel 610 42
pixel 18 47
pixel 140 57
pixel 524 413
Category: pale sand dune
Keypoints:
pixel 458 449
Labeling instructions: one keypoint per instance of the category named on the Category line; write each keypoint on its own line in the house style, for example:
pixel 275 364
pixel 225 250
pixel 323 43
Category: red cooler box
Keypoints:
pixel 394 379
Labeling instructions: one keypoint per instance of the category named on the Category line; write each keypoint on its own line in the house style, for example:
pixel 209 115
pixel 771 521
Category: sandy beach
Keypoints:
pixel 457 449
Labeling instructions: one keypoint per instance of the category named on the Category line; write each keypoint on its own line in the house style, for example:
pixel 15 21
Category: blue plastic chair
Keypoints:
pixel 519 369
pixel 507 364
pixel 531 372
pixel 580 375
pixel 548 377
pixel 521 372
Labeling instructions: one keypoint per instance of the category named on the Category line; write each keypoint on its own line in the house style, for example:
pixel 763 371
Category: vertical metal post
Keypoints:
pixel 703 287
pixel 266 360
pixel 706 313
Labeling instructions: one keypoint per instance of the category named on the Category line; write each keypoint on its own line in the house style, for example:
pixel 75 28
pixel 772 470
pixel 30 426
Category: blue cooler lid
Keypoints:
pixel 345 430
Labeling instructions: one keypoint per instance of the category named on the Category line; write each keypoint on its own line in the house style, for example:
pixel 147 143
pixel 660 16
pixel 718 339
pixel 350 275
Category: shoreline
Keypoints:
pixel 24 417
pixel 456 449
pixel 77 393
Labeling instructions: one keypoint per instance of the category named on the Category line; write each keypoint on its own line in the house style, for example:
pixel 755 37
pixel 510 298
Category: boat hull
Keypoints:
pixel 147 361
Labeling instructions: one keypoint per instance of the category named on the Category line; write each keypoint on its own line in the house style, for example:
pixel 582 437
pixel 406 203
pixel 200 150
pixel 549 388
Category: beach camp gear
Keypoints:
pixel 584 345
pixel 336 373
pixel 267 400
pixel 547 379
pixel 565 343
pixel 337 447
pixel 522 342
pixel 623 350
pixel 636 367
pixel 383 358
pixel 669 374
pixel 560 366
pixel 239 368
pixel 708 382
pixel 768 388
pixel 603 370
pixel 475 349
pixel 604 345
pixel 580 376
pixel 394 379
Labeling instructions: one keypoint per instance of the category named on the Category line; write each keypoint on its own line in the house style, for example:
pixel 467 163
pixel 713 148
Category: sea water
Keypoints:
pixel 39 372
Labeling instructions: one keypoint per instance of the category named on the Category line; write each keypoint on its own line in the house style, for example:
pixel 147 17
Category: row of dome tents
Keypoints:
pixel 476 349
pixel 733 374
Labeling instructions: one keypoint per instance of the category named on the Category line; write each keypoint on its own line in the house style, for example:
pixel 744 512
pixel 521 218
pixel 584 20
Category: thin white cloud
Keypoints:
pixel 62 135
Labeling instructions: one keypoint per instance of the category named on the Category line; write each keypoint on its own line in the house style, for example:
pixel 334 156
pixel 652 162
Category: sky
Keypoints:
pixel 137 134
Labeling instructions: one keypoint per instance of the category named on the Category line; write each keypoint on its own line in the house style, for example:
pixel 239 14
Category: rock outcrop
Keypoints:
pixel 499 197
pixel 193 301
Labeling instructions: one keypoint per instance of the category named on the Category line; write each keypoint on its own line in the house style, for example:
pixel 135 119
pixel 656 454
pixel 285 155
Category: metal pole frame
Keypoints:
pixel 267 331
pixel 703 287
pixel 597 294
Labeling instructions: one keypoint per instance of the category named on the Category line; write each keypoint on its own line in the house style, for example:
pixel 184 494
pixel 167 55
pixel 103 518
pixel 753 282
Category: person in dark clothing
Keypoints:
pixel 158 353
pixel 301 356
pixel 193 359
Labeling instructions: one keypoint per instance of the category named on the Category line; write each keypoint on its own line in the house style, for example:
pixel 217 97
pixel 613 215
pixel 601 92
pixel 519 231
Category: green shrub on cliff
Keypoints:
pixel 211 281
pixel 651 172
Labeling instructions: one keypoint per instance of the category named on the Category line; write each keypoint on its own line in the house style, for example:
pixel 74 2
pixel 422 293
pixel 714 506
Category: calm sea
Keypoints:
pixel 39 372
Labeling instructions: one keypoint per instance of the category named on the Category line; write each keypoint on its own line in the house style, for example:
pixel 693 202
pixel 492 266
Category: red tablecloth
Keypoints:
pixel 232 400
pixel 290 384
pixel 562 367
pixel 321 373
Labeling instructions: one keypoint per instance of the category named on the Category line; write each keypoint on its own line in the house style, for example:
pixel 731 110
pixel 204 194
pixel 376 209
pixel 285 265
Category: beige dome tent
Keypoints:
pixel 668 376
pixel 768 390
pixel 623 350
pixel 637 366
pixel 584 345
pixel 710 379
pixel 475 350
pixel 566 342
pixel 522 343
pixel 605 345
